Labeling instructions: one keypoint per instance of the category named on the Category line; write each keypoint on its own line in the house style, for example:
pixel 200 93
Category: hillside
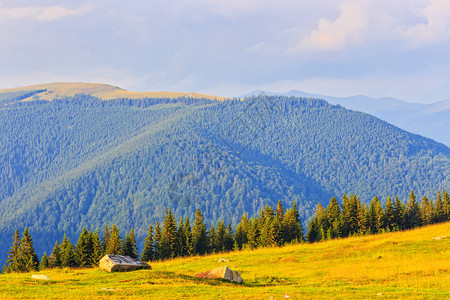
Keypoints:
pixel 400 265
pixel 50 91
pixel 430 120
pixel 80 161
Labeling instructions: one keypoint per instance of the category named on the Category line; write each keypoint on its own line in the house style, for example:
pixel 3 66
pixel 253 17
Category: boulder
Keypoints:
pixel 40 277
pixel 223 260
pixel 112 263
pixel 223 273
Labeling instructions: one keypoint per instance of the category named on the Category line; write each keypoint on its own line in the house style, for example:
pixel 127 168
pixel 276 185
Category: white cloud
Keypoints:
pixel 434 29
pixel 349 27
pixel 42 13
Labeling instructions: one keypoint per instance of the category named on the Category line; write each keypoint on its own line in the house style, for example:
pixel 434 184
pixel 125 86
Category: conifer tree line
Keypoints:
pixel 354 218
pixel 273 227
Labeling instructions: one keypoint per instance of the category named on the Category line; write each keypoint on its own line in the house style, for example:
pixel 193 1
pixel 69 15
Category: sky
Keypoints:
pixel 228 48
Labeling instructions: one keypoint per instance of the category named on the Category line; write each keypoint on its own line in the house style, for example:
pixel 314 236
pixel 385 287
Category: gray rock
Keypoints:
pixel 113 263
pixel 224 273
pixel 40 277
pixel 223 260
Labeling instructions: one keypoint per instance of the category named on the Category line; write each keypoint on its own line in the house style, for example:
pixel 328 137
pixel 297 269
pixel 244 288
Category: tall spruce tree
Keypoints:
pixel 399 214
pixel 376 215
pixel 188 237
pixel 68 258
pixel 55 257
pixel 212 239
pixel 129 246
pixel 12 262
pixel 115 242
pixel 148 253
pixel 169 235
pixel 200 237
pixel 241 232
pixel 158 252
pixel 105 239
pixel 389 216
pixel 446 198
pixel 28 259
pixel 439 209
pixel 97 248
pixel 44 262
pixel 413 215
pixel 228 243
pixel 83 253
pixel 427 211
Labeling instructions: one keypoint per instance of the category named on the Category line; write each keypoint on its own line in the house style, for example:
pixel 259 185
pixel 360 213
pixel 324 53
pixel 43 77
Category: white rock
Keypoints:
pixel 223 260
pixel 40 277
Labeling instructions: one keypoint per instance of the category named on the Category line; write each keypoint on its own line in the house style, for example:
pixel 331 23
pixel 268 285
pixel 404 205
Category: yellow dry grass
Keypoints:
pixel 400 265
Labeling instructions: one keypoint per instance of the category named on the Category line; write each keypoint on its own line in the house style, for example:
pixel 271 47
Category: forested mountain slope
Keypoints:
pixel 430 120
pixel 81 161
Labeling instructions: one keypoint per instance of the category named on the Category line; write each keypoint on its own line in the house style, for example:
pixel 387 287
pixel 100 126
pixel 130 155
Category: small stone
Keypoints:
pixel 379 294
pixel 223 260
pixel 40 277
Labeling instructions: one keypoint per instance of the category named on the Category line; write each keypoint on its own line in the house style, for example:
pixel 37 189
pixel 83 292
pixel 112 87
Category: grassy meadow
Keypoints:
pixel 399 265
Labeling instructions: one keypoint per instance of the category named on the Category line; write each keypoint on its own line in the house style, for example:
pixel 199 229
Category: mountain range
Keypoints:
pixel 430 120
pixel 71 159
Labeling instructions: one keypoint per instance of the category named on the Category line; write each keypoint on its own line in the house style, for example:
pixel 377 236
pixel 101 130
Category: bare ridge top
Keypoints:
pixel 100 90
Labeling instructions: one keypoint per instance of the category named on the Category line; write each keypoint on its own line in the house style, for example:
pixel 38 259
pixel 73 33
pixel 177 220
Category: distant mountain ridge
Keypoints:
pixel 429 120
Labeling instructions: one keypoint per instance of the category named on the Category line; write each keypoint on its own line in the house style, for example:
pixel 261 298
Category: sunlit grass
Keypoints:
pixel 394 265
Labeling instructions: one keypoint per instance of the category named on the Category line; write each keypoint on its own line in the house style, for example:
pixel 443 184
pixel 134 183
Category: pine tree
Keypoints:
pixel 199 234
pixel 180 244
pixel 350 215
pixel 129 246
pixel 158 252
pixel 28 259
pixel 313 234
pixel 426 210
pixel 83 253
pixel 399 214
pixel 188 237
pixel 279 211
pixel 219 241
pixel 55 257
pixel 389 216
pixel 275 233
pixel 169 234
pixel 148 252
pixel 363 219
pixel 376 215
pixel 44 262
pixel 105 239
pixel 241 232
pixel 213 239
pixel 413 214
pixel 13 255
pixel 228 242
pixel 332 211
pixel 97 248
pixel 439 212
pixel 446 198
pixel 115 242
pixel 68 258
pixel 253 233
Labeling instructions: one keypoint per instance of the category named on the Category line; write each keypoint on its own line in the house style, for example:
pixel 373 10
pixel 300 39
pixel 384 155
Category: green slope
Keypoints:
pixel 81 161
pixel 399 265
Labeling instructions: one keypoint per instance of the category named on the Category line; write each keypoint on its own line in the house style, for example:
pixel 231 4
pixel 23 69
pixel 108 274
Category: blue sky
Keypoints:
pixel 378 48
